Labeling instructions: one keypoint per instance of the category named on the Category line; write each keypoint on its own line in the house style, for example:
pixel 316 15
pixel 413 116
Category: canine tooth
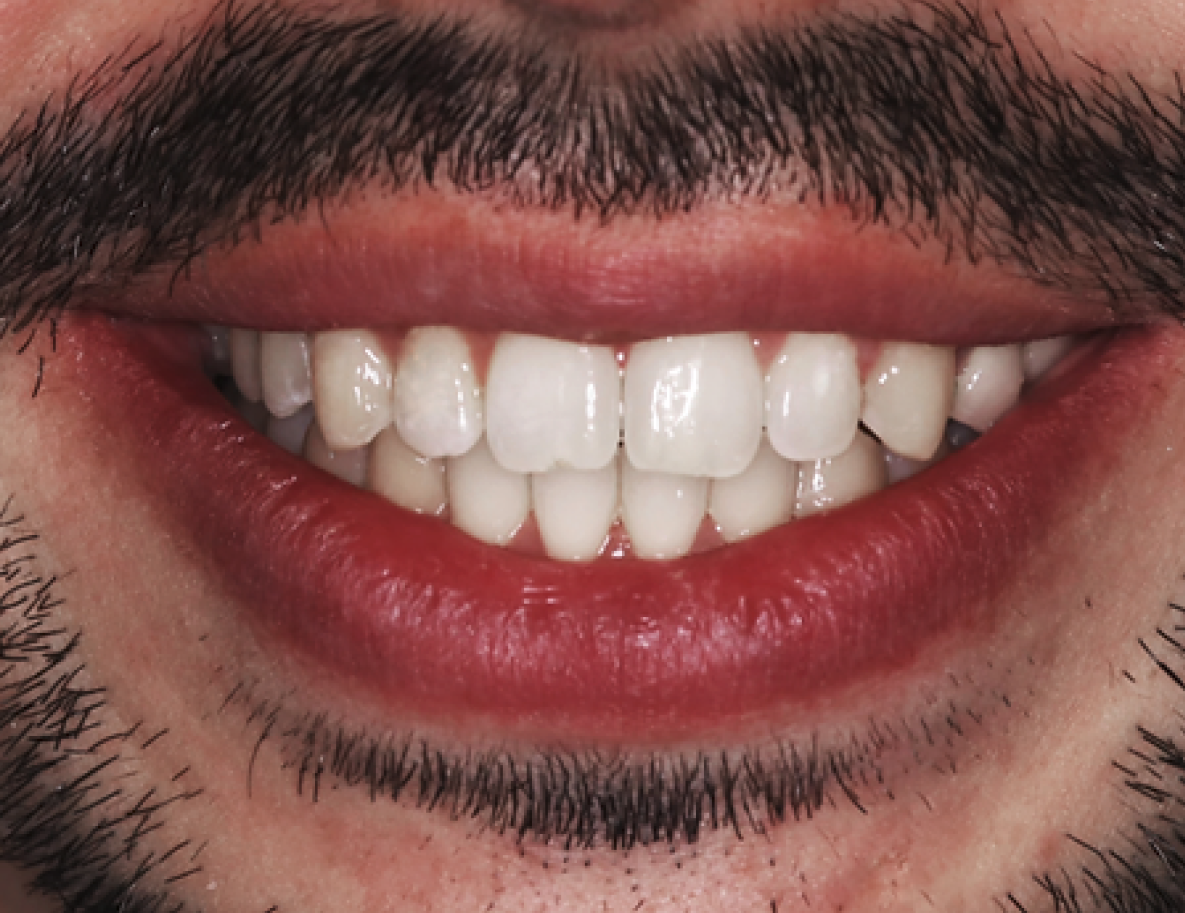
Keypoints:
pixel 552 404
pixel 347 465
pixel 1041 355
pixel 908 396
pixel 245 363
pixel 988 385
pixel 661 512
pixel 831 483
pixel 760 498
pixel 352 387
pixel 694 405
pixel 486 501
pixel 574 509
pixel 438 402
pixel 290 432
pixel 287 375
pixel 404 477
pixel 813 396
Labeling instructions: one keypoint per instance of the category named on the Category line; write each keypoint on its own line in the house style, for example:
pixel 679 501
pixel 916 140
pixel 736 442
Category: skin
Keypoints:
pixel 956 841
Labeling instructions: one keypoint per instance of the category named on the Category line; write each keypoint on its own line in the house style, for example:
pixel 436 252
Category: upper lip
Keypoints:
pixel 432 262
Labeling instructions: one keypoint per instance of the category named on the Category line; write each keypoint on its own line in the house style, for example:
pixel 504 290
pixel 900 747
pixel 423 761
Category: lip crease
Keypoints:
pixel 743 268
pixel 433 622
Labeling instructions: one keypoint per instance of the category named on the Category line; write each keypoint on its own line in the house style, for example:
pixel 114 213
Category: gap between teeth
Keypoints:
pixel 658 449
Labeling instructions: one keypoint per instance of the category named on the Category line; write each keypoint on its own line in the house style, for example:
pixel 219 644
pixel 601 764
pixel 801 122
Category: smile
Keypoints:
pixel 421 531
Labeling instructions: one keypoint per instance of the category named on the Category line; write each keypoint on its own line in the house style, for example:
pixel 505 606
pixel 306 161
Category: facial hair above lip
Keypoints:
pixel 947 129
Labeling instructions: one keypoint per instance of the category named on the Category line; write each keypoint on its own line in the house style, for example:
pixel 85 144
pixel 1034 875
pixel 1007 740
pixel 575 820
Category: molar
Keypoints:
pixel 694 405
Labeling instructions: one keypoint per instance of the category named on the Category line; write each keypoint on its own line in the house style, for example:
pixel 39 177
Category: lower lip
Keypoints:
pixel 434 623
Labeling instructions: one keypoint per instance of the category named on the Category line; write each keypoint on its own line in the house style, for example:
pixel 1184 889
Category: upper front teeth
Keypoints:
pixel 715 425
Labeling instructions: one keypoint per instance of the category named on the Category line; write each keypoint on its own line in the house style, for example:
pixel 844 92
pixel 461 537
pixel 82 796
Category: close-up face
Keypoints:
pixel 565 455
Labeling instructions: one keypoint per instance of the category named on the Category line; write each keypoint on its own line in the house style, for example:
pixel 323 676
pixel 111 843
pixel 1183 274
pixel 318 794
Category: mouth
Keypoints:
pixel 610 530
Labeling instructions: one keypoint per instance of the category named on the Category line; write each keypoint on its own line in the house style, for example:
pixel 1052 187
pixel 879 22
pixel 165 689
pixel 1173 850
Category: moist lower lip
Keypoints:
pixel 432 622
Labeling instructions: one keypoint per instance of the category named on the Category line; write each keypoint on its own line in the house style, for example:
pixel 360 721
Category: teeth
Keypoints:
pixel 693 405
pixel 290 432
pixel 827 484
pixel 575 509
pixel 552 404
pixel 287 378
pixel 438 404
pixel 661 512
pixel 405 478
pixel 760 498
pixel 813 396
pixel 1041 355
pixel 347 465
pixel 488 502
pixel 352 378
pixel 988 386
pixel 908 397
pixel 245 364
pixel 546 431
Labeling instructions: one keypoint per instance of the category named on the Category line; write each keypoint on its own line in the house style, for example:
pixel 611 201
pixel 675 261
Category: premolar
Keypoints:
pixel 352 383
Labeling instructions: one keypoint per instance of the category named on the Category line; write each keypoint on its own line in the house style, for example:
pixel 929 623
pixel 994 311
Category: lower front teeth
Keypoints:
pixel 661 449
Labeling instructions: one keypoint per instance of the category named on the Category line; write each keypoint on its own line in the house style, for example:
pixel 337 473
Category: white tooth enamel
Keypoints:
pixel 438 401
pixel 813 396
pixel 404 477
pixel 552 404
pixel 352 387
pixel 661 512
pixel 486 501
pixel 287 373
pixel 289 432
pixel 574 509
pixel 694 405
pixel 245 364
pixel 347 465
pixel 1039 356
pixel 988 386
pixel 908 397
pixel 831 483
pixel 760 498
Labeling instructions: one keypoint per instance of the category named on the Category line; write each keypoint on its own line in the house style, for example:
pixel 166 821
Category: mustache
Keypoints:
pixel 933 121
